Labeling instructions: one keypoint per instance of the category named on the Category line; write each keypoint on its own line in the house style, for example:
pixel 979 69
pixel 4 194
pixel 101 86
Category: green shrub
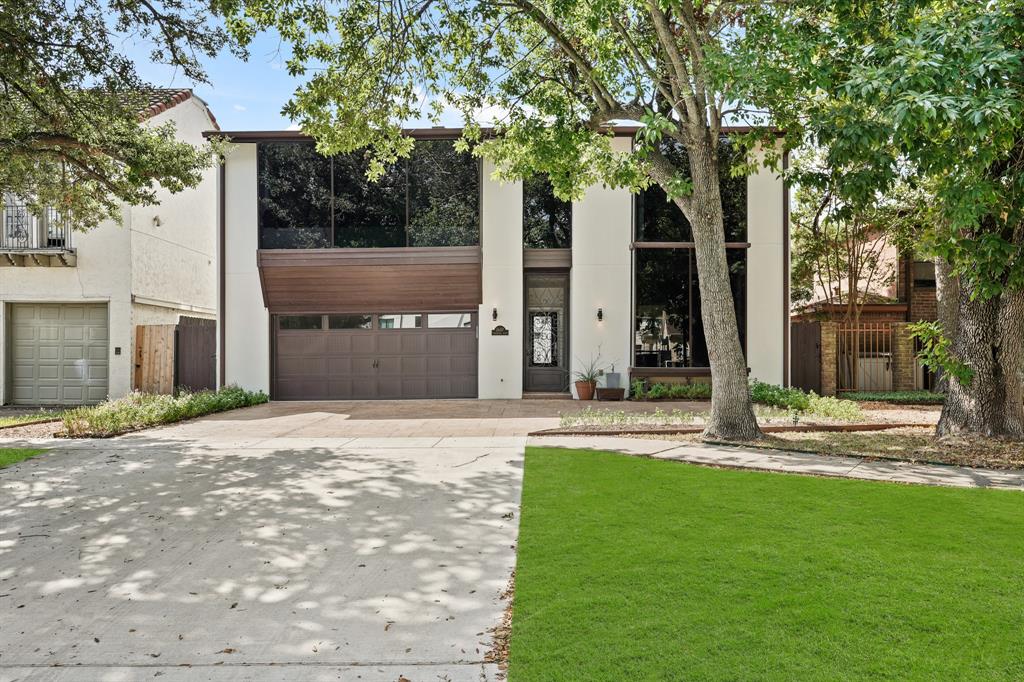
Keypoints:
pixel 901 397
pixel 140 410
pixel 638 389
pixel 671 391
pixel 834 408
pixel 778 396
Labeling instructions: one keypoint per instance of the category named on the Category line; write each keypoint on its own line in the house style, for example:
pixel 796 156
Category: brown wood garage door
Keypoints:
pixel 383 356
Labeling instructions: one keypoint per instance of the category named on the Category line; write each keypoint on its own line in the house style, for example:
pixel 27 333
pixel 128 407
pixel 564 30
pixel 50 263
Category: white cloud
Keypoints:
pixel 239 107
pixel 293 126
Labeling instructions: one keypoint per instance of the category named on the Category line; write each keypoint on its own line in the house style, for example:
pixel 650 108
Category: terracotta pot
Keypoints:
pixel 585 389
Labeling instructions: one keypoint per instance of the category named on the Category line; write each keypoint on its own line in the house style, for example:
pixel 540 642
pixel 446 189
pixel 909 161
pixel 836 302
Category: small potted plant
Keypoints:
pixel 586 379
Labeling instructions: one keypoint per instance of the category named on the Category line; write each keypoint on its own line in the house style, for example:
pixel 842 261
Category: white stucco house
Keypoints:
pixel 440 282
pixel 70 301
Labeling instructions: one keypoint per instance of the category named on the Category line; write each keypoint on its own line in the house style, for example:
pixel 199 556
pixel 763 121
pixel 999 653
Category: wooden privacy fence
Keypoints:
pixel 171 357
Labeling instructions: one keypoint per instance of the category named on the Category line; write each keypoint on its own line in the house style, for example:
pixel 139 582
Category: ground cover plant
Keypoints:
pixel 141 410
pixel 31 418
pixel 9 456
pixel 637 569
pixel 897 397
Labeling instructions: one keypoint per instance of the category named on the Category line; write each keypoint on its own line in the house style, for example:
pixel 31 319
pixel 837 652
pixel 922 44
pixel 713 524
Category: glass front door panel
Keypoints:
pixel 547 298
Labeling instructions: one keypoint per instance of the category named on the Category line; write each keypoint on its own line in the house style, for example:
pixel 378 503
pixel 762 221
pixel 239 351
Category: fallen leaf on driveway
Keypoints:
pixel 228 650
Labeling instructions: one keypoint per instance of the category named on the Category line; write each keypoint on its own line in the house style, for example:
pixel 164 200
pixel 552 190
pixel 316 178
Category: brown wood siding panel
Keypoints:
pixel 371 280
pixel 540 259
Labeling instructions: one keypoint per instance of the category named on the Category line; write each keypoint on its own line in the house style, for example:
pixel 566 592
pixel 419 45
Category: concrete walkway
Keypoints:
pixel 793 462
pixel 281 558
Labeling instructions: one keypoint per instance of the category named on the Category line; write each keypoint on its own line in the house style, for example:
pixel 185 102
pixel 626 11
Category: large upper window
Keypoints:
pixel 669 330
pixel 310 201
pixel 547 220
pixel 660 220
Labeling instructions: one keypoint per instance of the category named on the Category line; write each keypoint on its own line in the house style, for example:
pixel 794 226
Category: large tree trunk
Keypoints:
pixel 732 413
pixel 989 339
pixel 947 298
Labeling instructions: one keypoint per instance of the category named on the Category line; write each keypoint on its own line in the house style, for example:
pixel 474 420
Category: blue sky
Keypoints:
pixel 244 95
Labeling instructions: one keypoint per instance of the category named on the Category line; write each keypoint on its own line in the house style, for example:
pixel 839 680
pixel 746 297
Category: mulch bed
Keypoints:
pixel 685 430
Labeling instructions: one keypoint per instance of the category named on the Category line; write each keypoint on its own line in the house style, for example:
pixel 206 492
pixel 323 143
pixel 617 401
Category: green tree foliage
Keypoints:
pixel 69 111
pixel 934 90
pixel 845 245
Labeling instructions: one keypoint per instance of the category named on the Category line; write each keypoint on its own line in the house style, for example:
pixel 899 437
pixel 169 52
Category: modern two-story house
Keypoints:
pixel 441 282
pixel 70 301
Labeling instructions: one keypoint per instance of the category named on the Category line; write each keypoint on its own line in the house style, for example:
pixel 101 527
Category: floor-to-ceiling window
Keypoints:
pixel 307 200
pixel 668 329
pixel 547 220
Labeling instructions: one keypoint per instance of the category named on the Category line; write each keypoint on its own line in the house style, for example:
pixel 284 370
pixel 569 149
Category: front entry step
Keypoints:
pixel 542 395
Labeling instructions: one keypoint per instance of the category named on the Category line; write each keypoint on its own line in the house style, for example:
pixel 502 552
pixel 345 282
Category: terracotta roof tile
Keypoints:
pixel 162 99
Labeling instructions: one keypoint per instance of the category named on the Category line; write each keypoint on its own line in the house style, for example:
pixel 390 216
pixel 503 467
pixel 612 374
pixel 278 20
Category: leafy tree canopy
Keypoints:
pixel 558 71
pixel 929 92
pixel 71 101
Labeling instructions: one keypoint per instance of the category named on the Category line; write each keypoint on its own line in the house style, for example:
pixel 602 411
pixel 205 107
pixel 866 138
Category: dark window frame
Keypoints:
pixel 333 226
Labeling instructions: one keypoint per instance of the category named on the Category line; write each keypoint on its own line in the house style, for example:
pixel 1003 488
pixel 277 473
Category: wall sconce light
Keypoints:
pixel 600 314
pixel 494 314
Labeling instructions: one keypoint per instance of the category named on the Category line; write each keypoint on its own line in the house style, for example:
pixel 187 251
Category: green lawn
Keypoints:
pixel 634 569
pixel 9 456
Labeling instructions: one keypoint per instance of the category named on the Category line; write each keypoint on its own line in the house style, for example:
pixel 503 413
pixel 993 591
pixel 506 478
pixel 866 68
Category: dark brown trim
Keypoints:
pixel 647 372
pixel 547 259
pixel 399 255
pixel 683 245
pixel 221 240
pixel 785 271
pixel 439 133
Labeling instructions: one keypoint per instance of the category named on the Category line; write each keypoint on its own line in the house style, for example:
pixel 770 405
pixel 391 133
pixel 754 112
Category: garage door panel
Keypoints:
pixel 72 313
pixel 95 394
pixel 59 353
pixel 388 363
pixel 412 343
pixel 415 366
pixel 463 344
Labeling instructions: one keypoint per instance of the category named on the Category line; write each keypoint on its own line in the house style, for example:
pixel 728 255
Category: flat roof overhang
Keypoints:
pixel 439 133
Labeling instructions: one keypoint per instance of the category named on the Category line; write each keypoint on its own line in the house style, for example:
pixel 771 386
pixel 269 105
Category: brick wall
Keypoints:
pixel 828 357
pixel 923 304
pixel 903 362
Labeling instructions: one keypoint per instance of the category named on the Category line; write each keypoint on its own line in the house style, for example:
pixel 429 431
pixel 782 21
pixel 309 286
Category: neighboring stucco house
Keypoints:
pixel 70 301
pixel 440 282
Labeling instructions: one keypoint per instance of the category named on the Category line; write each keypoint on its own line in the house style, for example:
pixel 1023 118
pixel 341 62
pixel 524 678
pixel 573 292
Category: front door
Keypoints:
pixel 546 366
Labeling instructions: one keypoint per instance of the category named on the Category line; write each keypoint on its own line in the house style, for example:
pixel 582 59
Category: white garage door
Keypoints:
pixel 58 353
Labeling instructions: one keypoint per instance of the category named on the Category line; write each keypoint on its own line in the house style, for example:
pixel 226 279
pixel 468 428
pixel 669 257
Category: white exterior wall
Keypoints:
pixel 767 309
pixel 102 275
pixel 501 239
pixel 173 263
pixel 601 277
pixel 116 262
pixel 246 322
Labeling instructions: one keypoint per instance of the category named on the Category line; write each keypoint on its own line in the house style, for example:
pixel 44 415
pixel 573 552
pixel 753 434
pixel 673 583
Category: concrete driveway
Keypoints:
pixel 284 542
